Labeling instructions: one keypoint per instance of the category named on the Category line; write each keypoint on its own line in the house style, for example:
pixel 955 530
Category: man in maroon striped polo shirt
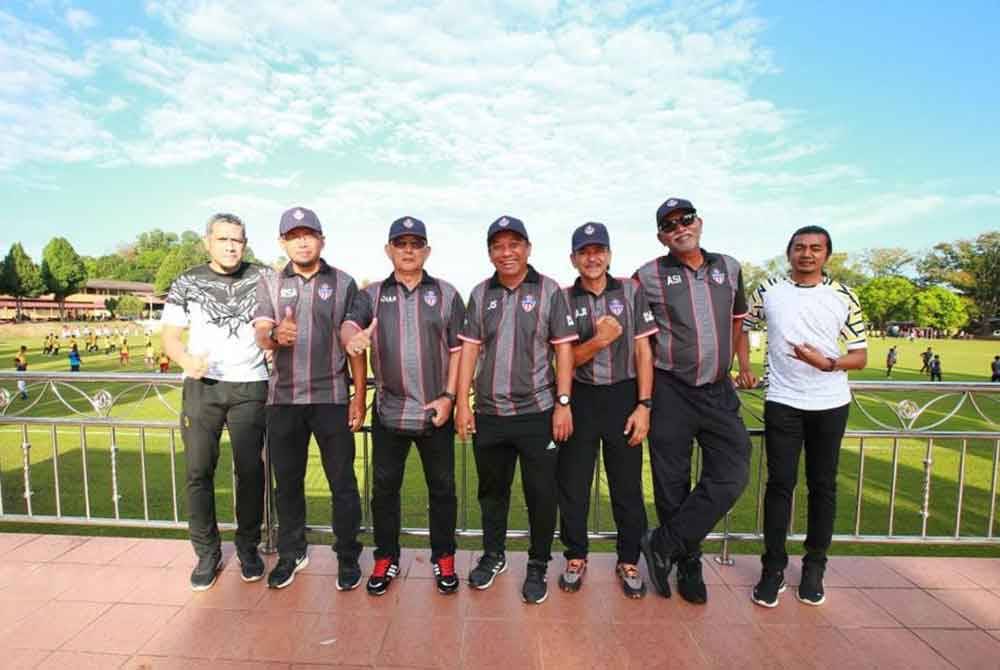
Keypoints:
pixel 411 322
pixel 699 303
pixel 514 322
pixel 612 398
pixel 299 314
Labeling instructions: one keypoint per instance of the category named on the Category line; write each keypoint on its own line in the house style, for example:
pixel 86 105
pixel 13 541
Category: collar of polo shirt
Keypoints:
pixel 324 268
pixel 531 278
pixel 425 280
pixel 671 260
pixel 613 285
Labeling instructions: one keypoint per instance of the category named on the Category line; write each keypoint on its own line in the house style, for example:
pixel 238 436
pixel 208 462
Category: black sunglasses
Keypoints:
pixel 415 243
pixel 669 226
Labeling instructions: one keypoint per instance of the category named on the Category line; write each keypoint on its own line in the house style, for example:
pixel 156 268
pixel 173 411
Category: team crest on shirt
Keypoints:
pixel 718 276
pixel 616 306
pixel 528 303
pixel 325 291
pixel 430 297
pixel 289 292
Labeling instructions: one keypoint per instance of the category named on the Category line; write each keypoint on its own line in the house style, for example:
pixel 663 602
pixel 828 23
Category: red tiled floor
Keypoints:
pixel 167 586
pixel 9 541
pixel 866 572
pixel 268 636
pixel 501 645
pixel 938 573
pixel 917 609
pixel 12 611
pixel 40 581
pixel 309 593
pixel 60 660
pixel 52 625
pixel 22 659
pixel 731 646
pixel 155 553
pixel 98 550
pixel 966 649
pixel 983 571
pixel 196 633
pixel 658 646
pixel 580 645
pixel 123 629
pixel 851 608
pixel 422 643
pixel 811 647
pixel 44 548
pixel 108 583
pixel 893 649
pixel 419 598
pixel 980 607
pixel 342 639
pixel 231 593
pixel 169 663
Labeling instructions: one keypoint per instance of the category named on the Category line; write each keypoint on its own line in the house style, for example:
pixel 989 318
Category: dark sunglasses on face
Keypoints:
pixel 412 244
pixel 670 225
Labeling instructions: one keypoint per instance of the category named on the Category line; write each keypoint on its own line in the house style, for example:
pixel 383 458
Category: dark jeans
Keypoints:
pixel 599 416
pixel 498 442
pixel 206 406
pixel 710 414
pixel 288 430
pixel 437 454
pixel 786 431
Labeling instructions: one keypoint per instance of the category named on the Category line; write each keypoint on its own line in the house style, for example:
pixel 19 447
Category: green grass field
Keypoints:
pixel 164 483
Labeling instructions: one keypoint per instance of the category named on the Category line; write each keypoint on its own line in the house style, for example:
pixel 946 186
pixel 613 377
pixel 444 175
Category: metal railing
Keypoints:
pixel 961 421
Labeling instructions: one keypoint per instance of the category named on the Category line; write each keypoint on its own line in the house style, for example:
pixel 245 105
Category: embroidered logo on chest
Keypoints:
pixel 492 305
pixel 388 298
pixel 324 292
pixel 528 303
pixel 290 292
pixel 673 279
pixel 616 306
pixel 430 297
pixel 580 313
pixel 718 276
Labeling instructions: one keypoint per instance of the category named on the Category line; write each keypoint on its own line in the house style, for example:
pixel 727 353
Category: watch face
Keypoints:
pixel 563 399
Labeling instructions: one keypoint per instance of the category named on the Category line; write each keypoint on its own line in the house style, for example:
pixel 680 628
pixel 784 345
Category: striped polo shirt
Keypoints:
pixel 417 332
pixel 516 329
pixel 624 300
pixel 694 310
pixel 823 315
pixel 314 370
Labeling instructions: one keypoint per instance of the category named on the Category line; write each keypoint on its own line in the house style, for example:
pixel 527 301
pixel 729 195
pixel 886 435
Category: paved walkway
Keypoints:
pixel 88 603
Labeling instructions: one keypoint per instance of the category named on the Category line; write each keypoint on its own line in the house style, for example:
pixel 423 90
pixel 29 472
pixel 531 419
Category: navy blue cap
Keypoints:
pixel 507 223
pixel 407 226
pixel 672 205
pixel 299 217
pixel 590 233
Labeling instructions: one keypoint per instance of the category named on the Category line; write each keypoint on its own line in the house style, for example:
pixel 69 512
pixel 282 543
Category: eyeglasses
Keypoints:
pixel 416 244
pixel 670 225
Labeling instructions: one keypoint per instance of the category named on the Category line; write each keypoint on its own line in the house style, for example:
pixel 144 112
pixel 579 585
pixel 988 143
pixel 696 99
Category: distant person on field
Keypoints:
pixel 74 359
pixel 164 362
pixel 150 356
pixel 21 365
pixel 123 354
pixel 890 361
pixel 926 360
pixel 995 369
pixel 936 368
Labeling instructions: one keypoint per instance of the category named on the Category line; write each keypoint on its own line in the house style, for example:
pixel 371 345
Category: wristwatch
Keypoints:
pixel 563 400
pixel 449 396
pixel 646 402
pixel 832 366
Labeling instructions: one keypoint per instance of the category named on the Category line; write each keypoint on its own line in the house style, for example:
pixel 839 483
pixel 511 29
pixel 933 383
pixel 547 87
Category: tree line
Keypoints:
pixel 953 285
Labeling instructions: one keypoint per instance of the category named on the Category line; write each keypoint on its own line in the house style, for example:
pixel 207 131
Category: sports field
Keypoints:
pixel 961 361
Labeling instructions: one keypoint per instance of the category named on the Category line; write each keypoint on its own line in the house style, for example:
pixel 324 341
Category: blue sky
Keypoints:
pixel 877 120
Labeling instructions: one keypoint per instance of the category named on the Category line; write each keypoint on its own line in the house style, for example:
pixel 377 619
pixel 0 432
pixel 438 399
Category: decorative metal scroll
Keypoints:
pixel 88 396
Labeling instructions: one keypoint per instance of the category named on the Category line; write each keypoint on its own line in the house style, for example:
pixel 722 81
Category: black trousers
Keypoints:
pixel 599 416
pixel 498 442
pixel 206 406
pixel 786 431
pixel 710 414
pixel 288 430
pixel 437 454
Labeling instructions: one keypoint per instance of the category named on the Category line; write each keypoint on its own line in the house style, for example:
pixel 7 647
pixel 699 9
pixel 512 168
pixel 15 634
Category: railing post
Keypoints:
pixel 115 497
pixel 26 466
pixel 724 558
pixel 926 508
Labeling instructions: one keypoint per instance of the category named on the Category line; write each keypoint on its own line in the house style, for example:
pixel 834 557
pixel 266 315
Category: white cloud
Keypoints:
pixel 79 19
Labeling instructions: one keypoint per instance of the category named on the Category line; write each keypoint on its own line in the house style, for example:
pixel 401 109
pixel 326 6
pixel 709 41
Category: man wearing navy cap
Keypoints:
pixel 514 324
pixel 299 314
pixel 699 303
pixel 612 398
pixel 411 321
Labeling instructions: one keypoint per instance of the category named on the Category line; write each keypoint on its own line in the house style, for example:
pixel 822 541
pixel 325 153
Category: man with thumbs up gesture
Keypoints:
pixel 410 321
pixel 300 311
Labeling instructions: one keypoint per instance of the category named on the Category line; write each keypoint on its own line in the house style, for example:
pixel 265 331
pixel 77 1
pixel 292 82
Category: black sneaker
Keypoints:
pixel 444 574
pixel 632 583
pixel 572 578
pixel 349 574
pixel 206 572
pixel 772 582
pixel 535 591
pixel 489 566
pixel 385 570
pixel 283 573
pixel 811 586
pixel 658 564
pixel 251 564
pixel 690 583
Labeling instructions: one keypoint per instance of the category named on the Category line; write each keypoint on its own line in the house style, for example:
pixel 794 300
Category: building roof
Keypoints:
pixel 118 284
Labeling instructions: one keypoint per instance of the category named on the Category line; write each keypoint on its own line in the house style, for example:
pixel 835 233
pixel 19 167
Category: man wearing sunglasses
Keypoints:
pixel 698 301
pixel 411 321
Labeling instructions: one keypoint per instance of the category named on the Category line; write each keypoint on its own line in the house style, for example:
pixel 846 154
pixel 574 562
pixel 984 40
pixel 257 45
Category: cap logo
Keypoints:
pixel 504 222
pixel 589 230
pixel 298 215
pixel 671 202
pixel 408 223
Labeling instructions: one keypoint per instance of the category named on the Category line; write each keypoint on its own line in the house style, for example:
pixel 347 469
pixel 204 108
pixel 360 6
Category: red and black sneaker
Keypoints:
pixel 444 574
pixel 386 569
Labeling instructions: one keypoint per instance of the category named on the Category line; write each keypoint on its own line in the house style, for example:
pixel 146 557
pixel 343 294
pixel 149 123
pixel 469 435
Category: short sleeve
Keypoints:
pixel 360 311
pixel 472 324
pixel 175 311
pixel 853 331
pixel 645 322
pixel 456 320
pixel 740 299
pixel 562 327
pixel 265 310
pixel 755 309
